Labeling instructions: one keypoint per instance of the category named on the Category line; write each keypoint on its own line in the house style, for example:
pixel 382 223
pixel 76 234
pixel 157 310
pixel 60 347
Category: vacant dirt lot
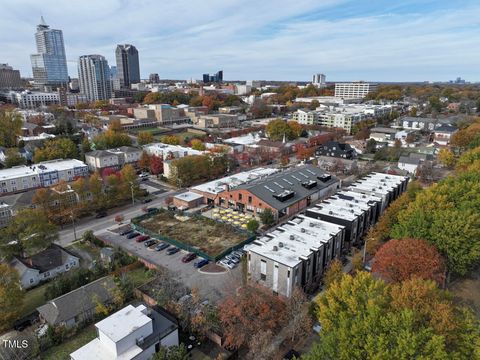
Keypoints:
pixel 207 235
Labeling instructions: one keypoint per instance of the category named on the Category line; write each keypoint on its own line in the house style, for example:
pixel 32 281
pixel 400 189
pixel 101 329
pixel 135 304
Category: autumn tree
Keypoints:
pixel 333 273
pixel 362 318
pixel 156 165
pixel 446 158
pixel 371 146
pixel 14 158
pixel 60 148
pixel 10 128
pixel 115 125
pixel 144 161
pixel 304 153
pixel 446 215
pixel 278 129
pixel 399 260
pixel 299 322
pixel 28 232
pixel 247 313
pixel 144 137
pixel 197 144
pixel 11 296
pixel 170 139
pixel 267 217
pixel 252 225
pixel 111 139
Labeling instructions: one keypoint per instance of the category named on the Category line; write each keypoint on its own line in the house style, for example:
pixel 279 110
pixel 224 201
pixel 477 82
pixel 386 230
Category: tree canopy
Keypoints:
pixel 10 128
pixel 11 296
pixel 61 148
pixel 111 139
pixel 278 129
pixel 144 137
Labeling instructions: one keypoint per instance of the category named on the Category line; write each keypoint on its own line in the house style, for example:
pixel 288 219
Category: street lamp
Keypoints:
pixel 74 229
pixel 131 188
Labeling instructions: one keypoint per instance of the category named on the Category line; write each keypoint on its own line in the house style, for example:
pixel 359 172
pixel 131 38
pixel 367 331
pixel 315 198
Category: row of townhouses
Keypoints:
pixel 297 252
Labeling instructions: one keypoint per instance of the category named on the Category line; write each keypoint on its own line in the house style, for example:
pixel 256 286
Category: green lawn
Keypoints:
pixel 33 299
pixel 140 276
pixel 64 350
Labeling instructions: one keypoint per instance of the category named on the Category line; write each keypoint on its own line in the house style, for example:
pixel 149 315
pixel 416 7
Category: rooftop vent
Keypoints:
pixel 292 237
pixel 280 244
pixel 303 230
pixel 284 195
pixel 275 248
pixel 324 177
pixel 309 184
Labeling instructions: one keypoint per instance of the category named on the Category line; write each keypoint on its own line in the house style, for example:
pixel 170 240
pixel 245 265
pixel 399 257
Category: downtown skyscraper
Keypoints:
pixel 128 66
pixel 94 77
pixel 49 64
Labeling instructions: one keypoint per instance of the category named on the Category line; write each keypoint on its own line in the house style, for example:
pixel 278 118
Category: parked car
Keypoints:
pixel 231 265
pixel 147 200
pixel 101 214
pixel 200 263
pixel 189 257
pixel 142 238
pixel 126 231
pixel 149 242
pixel 227 263
pixel 152 209
pixel 232 259
pixel 133 235
pixel 161 246
pixel 172 251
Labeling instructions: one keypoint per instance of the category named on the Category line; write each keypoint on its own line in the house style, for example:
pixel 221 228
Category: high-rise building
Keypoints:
pixel 354 90
pixel 49 64
pixel 128 67
pixel 154 78
pixel 94 77
pixel 217 77
pixel 9 78
pixel 318 80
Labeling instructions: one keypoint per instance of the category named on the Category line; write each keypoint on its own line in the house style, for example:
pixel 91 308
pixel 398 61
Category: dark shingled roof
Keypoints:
pixel 75 302
pixel 289 180
pixel 48 259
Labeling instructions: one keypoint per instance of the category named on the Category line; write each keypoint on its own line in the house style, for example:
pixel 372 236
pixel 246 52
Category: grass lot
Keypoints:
pixel 140 276
pixel 33 299
pixel 152 130
pixel 207 235
pixel 63 351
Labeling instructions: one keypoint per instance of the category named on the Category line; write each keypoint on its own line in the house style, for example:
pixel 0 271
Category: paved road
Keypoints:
pixel 67 236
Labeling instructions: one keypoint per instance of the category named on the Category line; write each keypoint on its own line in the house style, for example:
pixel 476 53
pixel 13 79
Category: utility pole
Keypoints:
pixel 74 229
pixel 133 198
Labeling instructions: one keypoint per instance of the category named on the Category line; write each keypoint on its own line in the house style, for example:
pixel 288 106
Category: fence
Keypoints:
pixel 136 225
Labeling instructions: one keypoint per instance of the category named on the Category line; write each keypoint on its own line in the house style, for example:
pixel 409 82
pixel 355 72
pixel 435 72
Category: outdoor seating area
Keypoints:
pixel 232 217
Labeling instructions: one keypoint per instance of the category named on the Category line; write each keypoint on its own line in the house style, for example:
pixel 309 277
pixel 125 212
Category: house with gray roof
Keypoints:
pixel 98 160
pixel 78 305
pixel 45 265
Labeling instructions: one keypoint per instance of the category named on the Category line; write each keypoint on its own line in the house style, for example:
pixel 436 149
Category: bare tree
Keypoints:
pixel 299 319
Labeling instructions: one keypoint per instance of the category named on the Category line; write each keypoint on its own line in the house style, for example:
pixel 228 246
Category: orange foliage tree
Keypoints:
pixel 248 313
pixel 400 260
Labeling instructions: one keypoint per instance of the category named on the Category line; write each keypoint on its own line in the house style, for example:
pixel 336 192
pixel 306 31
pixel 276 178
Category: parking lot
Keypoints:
pixel 211 285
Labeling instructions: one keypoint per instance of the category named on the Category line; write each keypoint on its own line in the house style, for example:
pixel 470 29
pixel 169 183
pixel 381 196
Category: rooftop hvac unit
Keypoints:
pixel 352 211
pixel 311 224
pixel 330 212
pixel 303 230
pixel 280 244
pixel 275 248
pixel 292 237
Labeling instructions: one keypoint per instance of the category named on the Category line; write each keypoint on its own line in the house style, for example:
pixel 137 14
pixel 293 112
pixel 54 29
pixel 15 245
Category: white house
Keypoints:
pixel 130 333
pixel 45 265
pixel 112 158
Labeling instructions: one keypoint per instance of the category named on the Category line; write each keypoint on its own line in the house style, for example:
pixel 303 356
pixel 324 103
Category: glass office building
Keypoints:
pixel 49 64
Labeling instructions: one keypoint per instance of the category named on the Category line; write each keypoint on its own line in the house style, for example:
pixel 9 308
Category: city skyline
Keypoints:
pixel 346 40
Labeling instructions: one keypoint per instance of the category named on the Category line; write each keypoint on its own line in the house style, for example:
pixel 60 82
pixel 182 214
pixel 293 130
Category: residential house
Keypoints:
pixel 99 160
pixel 79 305
pixel 336 149
pixel 132 333
pixel 443 134
pixel 45 265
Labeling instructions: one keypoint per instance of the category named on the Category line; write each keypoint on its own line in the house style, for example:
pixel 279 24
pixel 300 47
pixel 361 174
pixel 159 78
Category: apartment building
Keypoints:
pixel 33 99
pixel 10 78
pixel 44 174
pixel 305 117
pixel 113 158
pixel 169 152
pixel 220 120
pixel 354 90
pixel 134 332
pixel 295 254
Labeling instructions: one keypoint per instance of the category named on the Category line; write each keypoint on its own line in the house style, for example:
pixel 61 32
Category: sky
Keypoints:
pixel 371 40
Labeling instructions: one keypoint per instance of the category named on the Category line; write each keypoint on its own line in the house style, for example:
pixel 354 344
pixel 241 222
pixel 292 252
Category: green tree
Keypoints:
pixel 111 139
pixel 14 158
pixel 267 217
pixel 252 225
pixel 10 128
pixel 371 146
pixel 61 148
pixel 198 144
pixel 144 137
pixel 435 103
pixel 278 129
pixel 446 158
pixel 11 296
pixel 334 273
pixel 28 233
pixel 176 352
pixel 170 139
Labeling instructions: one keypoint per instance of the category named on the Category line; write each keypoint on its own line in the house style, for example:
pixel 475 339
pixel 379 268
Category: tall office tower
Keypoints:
pixel 49 64
pixel 10 78
pixel 128 67
pixel 217 77
pixel 94 77
pixel 154 78
pixel 319 80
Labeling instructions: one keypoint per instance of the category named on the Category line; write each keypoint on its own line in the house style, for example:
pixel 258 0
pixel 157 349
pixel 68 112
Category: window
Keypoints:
pixel 66 266
pixel 288 273
pixel 31 281
pixel 263 277
pixel 249 199
pixel 263 270
pixel 239 196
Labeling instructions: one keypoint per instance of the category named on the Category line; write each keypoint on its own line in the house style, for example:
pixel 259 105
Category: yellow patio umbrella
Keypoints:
pixel 224 218
pixel 244 226
pixel 216 210
pixel 236 223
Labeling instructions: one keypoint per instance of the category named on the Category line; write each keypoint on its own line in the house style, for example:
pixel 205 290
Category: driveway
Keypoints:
pixel 212 286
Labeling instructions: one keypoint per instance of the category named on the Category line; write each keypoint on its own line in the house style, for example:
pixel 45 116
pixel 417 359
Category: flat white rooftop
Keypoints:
pixel 165 148
pixel 217 186
pixel 96 350
pixel 288 244
pixel 123 322
pixel 42 167
pixel 188 196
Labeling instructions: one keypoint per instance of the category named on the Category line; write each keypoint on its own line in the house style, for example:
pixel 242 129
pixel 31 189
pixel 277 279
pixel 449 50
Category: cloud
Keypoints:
pixel 269 39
